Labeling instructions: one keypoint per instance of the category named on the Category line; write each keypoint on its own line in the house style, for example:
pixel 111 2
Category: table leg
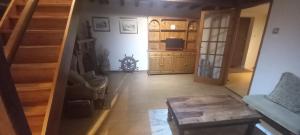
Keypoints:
pixel 169 114
pixel 250 128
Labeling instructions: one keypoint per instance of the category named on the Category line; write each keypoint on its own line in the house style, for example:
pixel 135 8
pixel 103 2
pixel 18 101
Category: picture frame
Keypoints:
pixel 101 24
pixel 128 26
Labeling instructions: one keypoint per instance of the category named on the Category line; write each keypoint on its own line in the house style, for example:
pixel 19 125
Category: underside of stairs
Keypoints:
pixel 37 58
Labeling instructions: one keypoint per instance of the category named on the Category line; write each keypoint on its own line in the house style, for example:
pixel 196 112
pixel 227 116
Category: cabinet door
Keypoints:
pixel 167 63
pixel 190 59
pixel 179 63
pixel 154 63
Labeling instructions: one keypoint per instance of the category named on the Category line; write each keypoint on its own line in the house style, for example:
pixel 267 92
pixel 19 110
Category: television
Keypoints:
pixel 174 44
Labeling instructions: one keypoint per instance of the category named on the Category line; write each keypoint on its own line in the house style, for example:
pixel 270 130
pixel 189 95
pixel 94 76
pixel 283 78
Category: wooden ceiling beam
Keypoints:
pixel 122 2
pixel 137 3
pixel 194 7
pixel 251 3
pixel 181 5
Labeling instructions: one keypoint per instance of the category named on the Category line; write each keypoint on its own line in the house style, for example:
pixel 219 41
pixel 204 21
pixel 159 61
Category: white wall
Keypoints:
pixel 280 53
pixel 259 15
pixel 120 44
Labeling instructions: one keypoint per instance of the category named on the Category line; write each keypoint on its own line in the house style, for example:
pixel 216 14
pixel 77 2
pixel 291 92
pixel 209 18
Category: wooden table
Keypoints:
pixel 210 111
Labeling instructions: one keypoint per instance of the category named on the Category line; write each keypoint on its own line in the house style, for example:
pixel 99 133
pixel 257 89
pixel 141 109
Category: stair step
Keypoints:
pixel 33 73
pixel 37 54
pixel 54 9
pixel 44 22
pixel 36 124
pixel 34 93
pixel 36 110
pixel 38 37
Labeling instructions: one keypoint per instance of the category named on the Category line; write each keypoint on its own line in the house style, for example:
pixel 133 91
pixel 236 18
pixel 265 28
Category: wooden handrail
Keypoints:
pixel 18 32
pixel 11 111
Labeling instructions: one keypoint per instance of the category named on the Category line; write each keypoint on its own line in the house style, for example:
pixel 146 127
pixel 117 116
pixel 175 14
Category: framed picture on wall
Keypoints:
pixel 128 26
pixel 101 24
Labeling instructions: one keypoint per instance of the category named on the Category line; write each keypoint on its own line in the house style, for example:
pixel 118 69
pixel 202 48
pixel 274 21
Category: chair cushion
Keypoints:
pixel 277 113
pixel 287 92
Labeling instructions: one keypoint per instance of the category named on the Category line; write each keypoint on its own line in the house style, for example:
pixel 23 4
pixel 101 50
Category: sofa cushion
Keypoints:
pixel 277 113
pixel 287 92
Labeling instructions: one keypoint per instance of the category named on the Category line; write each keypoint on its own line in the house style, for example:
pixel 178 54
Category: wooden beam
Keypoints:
pixel 122 2
pixel 167 4
pixel 251 3
pixel 194 7
pixel 137 3
pixel 181 5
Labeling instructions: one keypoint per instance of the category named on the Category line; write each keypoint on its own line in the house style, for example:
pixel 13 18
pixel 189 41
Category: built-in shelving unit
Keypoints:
pixel 163 61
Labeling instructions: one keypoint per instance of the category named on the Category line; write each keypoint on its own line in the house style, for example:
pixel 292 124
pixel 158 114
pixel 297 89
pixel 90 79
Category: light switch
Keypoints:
pixel 275 30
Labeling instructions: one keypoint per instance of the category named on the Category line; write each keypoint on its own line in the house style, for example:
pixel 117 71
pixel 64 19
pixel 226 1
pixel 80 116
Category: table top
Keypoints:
pixel 210 110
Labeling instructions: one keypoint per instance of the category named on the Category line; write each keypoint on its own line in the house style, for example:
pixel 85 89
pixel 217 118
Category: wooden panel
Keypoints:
pixel 191 60
pixel 180 25
pixel 40 37
pixel 48 9
pixel 31 73
pixel 37 54
pixel 154 64
pixel 166 63
pixel 153 36
pixel 28 93
pixel 44 22
pixel 153 46
pixel 56 100
pixel 165 35
pixel 179 63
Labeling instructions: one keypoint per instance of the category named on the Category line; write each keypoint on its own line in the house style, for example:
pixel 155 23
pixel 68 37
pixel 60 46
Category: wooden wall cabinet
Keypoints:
pixel 171 62
pixel 162 61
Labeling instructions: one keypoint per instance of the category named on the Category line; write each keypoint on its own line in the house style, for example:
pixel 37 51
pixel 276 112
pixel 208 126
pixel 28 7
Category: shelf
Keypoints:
pixel 192 31
pixel 191 41
pixel 216 28
pixel 154 41
pixel 169 30
pixel 154 30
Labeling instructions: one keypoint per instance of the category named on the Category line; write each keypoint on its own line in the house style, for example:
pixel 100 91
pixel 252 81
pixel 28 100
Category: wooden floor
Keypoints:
pixel 141 108
pixel 239 82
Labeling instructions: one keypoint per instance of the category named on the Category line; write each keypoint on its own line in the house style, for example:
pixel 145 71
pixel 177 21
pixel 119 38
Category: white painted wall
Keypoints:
pixel 120 44
pixel 280 53
pixel 259 15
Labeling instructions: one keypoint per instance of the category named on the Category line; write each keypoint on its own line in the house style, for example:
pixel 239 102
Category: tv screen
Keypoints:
pixel 174 44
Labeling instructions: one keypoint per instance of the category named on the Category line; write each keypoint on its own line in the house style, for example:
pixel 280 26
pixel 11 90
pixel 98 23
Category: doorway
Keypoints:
pixel 251 27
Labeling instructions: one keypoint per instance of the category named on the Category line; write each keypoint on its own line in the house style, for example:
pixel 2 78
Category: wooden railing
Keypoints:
pixel 20 28
pixel 13 120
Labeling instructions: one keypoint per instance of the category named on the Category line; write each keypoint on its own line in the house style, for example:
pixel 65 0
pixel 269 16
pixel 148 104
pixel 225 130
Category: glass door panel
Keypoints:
pixel 213 41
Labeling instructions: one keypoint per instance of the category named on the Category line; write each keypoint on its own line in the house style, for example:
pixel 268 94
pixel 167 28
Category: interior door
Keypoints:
pixel 213 45
pixel 241 43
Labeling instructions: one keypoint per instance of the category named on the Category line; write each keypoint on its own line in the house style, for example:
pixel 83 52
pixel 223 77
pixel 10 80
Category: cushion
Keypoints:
pixel 277 113
pixel 287 92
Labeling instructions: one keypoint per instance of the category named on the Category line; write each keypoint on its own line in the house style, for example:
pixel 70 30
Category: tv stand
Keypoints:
pixel 171 61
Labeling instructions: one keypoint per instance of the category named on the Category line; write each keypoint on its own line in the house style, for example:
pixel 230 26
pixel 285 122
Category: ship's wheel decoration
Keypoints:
pixel 128 64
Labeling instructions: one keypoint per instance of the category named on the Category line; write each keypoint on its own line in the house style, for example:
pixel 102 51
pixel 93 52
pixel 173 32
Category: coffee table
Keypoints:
pixel 191 113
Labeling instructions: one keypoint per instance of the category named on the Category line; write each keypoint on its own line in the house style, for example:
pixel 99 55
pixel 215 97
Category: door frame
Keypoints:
pixel 259 50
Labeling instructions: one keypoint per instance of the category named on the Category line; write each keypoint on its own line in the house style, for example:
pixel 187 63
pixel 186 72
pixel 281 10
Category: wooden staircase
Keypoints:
pixel 36 63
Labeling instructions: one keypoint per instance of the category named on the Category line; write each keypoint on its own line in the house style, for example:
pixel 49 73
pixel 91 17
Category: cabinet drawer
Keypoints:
pixel 154 53
pixel 167 53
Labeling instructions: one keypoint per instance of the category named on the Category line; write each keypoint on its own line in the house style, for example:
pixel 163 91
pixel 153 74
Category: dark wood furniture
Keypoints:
pixel 210 111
